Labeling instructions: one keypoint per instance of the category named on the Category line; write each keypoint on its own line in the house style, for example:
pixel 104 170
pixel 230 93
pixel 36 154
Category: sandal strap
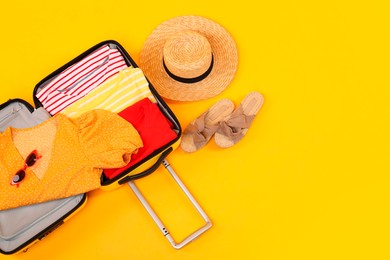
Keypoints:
pixel 200 132
pixel 239 120
pixel 231 133
pixel 233 127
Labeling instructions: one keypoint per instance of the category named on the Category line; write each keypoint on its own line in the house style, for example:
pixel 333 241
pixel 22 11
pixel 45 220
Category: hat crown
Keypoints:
pixel 187 54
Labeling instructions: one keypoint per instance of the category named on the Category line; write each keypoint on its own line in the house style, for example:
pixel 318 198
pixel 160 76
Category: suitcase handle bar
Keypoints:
pixel 158 221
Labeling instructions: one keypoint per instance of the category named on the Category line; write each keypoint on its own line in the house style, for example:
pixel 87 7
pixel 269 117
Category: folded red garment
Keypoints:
pixel 153 127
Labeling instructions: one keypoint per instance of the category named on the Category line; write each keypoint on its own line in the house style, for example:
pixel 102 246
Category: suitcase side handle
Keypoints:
pixel 149 170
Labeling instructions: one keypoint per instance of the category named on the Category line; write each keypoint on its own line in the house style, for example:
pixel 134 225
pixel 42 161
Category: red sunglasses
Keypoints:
pixel 21 174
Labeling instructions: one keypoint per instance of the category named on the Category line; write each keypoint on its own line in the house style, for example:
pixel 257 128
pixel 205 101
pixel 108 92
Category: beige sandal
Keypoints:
pixel 200 131
pixel 233 128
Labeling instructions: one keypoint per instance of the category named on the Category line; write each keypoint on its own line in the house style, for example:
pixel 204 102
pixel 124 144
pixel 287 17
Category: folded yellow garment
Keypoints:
pixel 62 157
pixel 116 94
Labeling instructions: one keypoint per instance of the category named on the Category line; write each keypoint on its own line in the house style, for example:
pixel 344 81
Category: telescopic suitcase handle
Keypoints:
pixel 158 221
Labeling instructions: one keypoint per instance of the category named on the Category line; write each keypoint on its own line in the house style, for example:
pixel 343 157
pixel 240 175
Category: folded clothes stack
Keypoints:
pixel 79 79
pixel 104 117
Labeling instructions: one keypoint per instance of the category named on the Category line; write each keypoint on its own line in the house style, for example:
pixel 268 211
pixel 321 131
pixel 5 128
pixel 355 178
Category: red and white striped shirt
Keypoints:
pixel 79 79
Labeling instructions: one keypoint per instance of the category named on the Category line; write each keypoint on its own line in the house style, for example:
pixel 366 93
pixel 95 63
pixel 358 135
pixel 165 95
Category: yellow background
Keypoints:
pixel 311 178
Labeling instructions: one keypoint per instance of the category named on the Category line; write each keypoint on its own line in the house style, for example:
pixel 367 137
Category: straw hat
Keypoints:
pixel 189 58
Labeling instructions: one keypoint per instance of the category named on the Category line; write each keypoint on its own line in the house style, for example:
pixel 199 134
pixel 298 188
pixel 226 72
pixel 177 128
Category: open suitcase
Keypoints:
pixel 126 175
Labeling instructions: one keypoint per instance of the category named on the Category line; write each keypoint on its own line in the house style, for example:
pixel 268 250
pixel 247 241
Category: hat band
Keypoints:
pixel 190 80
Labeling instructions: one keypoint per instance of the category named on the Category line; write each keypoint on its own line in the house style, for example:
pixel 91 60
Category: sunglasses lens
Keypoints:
pixel 19 176
pixel 30 160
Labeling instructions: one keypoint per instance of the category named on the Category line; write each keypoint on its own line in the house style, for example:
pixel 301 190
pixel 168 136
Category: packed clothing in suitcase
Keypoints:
pixel 97 123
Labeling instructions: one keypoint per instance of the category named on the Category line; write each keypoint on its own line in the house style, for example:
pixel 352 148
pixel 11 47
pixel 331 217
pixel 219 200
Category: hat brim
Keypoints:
pixel 224 52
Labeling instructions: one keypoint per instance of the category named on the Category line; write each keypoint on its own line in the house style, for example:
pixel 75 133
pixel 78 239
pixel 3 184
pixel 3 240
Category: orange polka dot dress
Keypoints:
pixel 71 156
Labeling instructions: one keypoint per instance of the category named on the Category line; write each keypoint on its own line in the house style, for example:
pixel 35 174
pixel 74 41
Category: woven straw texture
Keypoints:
pixel 223 48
